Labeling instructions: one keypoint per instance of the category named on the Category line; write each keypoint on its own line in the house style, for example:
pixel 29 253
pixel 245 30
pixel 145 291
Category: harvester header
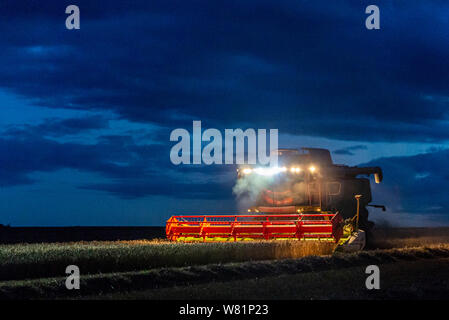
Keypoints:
pixel 212 228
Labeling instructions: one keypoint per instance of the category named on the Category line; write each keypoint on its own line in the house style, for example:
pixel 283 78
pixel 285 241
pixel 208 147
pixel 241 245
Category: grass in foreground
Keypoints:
pixel 26 261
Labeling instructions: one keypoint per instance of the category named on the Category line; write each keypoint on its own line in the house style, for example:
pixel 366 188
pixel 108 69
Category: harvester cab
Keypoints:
pixel 306 197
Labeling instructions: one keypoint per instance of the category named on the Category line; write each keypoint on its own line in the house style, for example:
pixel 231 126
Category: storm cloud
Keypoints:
pixel 233 63
pixel 307 68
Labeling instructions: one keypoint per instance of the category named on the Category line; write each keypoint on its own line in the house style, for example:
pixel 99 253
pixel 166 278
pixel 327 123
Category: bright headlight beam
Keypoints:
pixel 269 171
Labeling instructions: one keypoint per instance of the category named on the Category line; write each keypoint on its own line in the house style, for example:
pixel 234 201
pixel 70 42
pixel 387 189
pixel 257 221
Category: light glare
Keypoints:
pixel 295 170
pixel 269 171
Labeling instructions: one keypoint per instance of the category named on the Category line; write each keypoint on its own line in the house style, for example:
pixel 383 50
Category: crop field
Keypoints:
pixel 155 268
pixel 27 261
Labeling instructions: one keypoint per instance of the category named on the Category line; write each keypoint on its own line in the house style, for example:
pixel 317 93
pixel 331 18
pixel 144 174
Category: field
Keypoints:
pixel 413 263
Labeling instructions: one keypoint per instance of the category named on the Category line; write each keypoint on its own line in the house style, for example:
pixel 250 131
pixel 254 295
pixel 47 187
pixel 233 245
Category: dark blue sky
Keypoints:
pixel 86 114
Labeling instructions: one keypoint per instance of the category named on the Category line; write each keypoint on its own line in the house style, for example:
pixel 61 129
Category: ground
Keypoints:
pixel 413 264
pixel 427 279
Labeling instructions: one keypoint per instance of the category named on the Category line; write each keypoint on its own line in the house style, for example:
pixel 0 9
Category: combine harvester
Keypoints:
pixel 305 198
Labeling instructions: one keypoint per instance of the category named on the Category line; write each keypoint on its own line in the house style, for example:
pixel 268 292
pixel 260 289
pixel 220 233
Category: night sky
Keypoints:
pixel 86 115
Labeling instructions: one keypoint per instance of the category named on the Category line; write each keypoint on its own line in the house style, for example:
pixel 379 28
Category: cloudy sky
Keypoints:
pixel 86 115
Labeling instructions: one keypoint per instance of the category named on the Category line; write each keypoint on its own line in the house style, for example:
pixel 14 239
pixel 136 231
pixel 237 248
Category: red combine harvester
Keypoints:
pixel 306 198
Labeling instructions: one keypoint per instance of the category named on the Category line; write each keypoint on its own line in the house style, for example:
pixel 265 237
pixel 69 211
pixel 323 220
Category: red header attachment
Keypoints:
pixel 216 228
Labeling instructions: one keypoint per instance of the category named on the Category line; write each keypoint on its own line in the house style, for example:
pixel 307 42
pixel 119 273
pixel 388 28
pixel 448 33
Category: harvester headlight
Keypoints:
pixel 312 169
pixel 269 171
pixel 247 171
pixel 295 170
